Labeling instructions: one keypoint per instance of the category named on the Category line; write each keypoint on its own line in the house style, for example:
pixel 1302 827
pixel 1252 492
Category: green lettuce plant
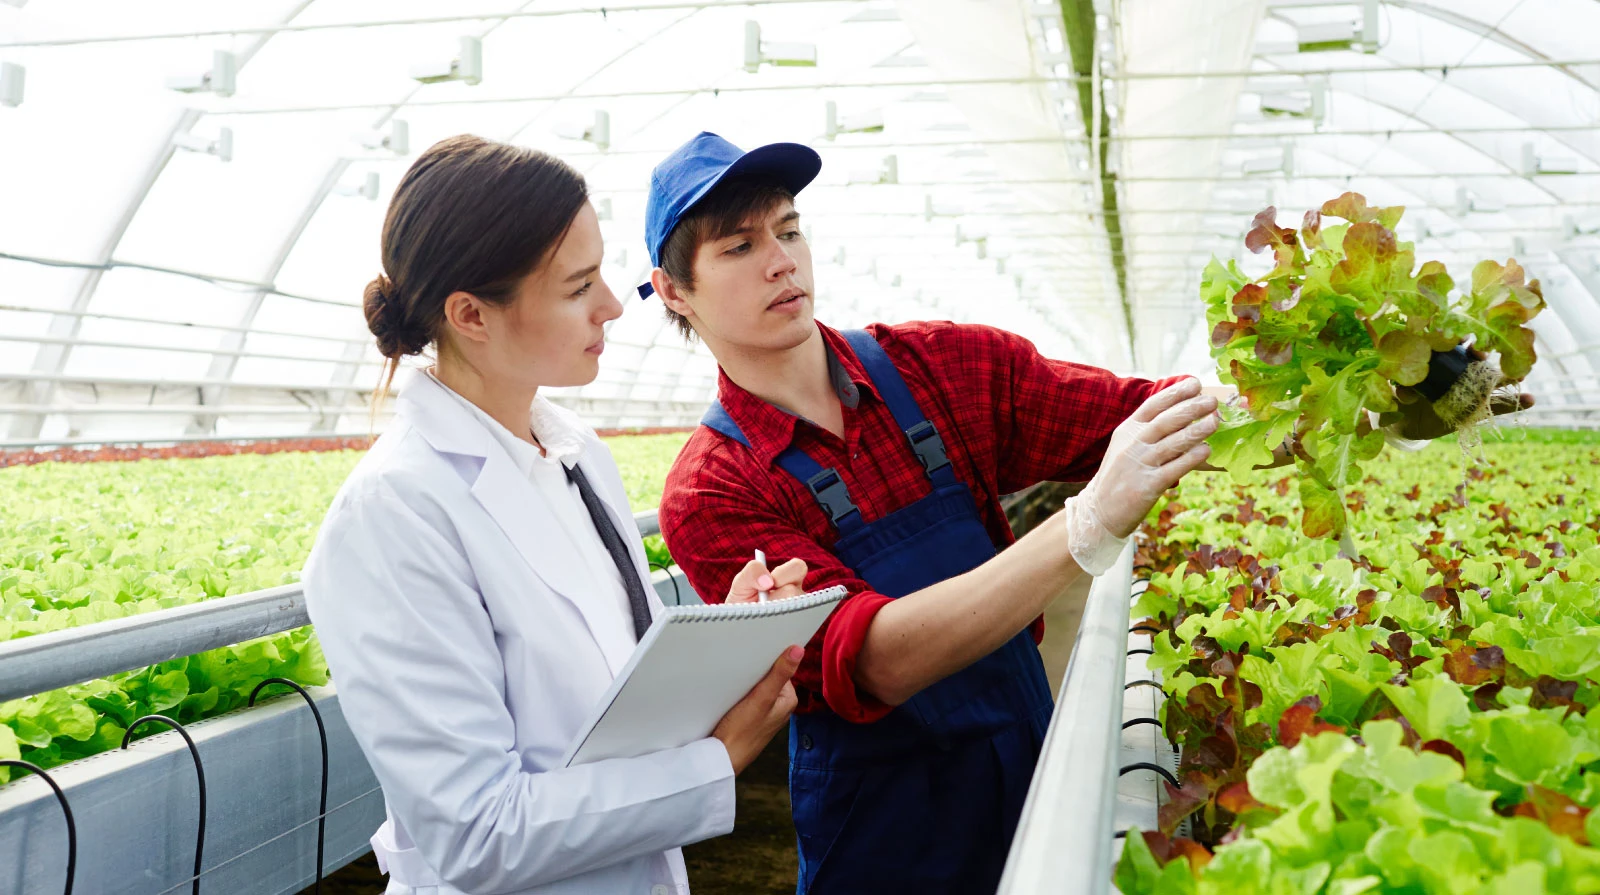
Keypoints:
pixel 1336 816
pixel 1342 320
pixel 1421 719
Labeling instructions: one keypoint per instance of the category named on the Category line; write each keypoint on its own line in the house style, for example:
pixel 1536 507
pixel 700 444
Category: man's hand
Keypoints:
pixel 1149 452
pixel 1417 420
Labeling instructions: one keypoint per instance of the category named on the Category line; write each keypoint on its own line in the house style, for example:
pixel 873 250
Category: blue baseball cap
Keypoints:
pixel 694 169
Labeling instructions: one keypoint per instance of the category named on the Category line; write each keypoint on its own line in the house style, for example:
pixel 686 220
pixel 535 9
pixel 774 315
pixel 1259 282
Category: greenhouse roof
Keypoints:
pixel 192 191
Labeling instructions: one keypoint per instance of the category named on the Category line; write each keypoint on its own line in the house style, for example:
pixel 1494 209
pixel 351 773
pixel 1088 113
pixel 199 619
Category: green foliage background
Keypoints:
pixel 88 542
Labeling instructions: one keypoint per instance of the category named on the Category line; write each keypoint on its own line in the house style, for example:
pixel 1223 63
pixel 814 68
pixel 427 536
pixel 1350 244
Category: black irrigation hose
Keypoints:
pixel 1137 721
pixel 1141 651
pixel 1150 766
pixel 1131 684
pixel 199 773
pixel 1149 629
pixel 1120 834
pixel 322 736
pixel 66 810
pixel 677 598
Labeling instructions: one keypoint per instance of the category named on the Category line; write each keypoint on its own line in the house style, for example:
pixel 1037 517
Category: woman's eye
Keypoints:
pixel 583 290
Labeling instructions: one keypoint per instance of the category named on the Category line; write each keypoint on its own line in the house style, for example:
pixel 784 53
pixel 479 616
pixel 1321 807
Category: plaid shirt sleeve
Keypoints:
pixel 712 526
pixel 1037 419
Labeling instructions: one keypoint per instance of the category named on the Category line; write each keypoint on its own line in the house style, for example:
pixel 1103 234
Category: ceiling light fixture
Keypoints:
pixel 12 79
pixel 221 147
pixel 396 139
pixel 866 122
pixel 219 80
pixel 597 131
pixel 367 190
pixel 1533 163
pixel 466 67
pixel 783 55
pixel 1468 202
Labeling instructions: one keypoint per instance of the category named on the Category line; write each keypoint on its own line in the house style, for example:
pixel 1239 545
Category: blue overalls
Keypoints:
pixel 926 799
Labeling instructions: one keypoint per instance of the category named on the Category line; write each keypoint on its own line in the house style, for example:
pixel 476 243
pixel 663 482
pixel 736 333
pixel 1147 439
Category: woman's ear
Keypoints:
pixel 463 315
pixel 671 295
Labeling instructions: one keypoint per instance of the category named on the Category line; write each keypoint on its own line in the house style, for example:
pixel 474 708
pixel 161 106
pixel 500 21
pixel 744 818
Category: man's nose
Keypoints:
pixel 781 263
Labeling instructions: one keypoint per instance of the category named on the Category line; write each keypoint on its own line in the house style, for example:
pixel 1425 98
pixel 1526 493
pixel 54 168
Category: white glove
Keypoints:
pixel 1149 452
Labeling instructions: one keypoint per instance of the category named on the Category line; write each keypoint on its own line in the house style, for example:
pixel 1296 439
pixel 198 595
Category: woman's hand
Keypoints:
pixel 787 580
pixel 747 727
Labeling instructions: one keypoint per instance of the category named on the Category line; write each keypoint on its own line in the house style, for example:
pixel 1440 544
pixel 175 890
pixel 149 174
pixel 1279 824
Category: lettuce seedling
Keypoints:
pixel 1344 318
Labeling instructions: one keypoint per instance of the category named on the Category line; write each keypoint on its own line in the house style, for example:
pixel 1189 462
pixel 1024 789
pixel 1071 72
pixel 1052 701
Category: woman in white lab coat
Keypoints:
pixel 469 607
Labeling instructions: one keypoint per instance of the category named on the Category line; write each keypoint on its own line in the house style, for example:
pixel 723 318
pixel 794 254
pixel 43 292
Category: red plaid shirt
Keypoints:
pixel 1009 418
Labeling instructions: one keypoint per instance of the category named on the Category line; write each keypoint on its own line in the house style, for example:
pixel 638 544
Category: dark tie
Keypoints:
pixel 618 550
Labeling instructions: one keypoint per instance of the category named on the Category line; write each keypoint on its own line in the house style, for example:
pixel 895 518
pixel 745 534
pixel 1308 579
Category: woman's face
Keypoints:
pixel 552 332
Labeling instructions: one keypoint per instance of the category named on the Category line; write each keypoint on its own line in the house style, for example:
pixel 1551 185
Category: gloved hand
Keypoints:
pixel 1149 452
pixel 1472 398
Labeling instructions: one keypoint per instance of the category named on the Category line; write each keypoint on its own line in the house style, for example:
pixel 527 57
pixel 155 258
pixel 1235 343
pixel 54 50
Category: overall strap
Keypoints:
pixel 825 485
pixel 921 433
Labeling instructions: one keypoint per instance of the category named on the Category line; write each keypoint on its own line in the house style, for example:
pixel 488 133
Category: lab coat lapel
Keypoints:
pixel 519 509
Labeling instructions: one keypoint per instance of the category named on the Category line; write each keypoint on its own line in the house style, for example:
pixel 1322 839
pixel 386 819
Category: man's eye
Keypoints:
pixel 739 249
pixel 791 236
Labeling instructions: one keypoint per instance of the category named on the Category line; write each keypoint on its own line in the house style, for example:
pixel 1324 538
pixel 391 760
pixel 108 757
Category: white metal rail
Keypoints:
pixel 1064 841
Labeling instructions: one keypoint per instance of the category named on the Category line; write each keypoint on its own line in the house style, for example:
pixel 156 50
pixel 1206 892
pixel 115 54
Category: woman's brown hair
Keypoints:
pixel 471 215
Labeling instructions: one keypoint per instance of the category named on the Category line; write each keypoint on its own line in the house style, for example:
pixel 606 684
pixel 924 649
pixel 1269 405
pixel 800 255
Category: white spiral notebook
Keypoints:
pixel 694 664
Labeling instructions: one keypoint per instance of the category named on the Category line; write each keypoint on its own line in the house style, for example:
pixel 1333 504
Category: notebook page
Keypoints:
pixel 694 664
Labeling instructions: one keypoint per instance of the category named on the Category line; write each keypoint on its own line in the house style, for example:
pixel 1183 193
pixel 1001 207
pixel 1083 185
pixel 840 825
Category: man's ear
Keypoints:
pixel 671 295
pixel 463 315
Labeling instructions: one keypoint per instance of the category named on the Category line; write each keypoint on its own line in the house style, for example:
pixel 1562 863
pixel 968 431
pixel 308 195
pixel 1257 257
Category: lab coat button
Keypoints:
pixel 658 890
pixel 805 741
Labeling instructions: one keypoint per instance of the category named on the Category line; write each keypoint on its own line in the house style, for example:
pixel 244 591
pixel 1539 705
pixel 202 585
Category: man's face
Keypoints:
pixel 753 289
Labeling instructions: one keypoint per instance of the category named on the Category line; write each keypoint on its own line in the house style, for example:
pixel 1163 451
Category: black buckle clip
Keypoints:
pixel 830 492
pixel 929 446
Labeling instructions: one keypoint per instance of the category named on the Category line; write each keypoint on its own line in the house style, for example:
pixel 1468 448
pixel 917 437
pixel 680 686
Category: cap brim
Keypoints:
pixel 794 165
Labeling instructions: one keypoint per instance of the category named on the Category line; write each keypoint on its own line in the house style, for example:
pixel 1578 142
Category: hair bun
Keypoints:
pixel 384 318
pixel 380 289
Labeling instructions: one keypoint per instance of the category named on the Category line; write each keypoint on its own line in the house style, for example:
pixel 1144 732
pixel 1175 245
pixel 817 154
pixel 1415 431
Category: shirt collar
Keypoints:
pixel 770 428
pixel 561 437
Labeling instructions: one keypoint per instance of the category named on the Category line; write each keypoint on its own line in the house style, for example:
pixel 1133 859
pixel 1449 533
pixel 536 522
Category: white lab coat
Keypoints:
pixel 468 651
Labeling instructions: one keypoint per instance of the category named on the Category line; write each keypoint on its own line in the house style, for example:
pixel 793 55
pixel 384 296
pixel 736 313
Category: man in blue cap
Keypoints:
pixel 878 457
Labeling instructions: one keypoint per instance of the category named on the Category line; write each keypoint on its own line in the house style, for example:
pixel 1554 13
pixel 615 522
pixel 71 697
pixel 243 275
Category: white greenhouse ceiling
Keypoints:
pixel 191 192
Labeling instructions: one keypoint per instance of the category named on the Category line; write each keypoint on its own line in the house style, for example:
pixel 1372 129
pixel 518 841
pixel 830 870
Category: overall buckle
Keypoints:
pixel 928 445
pixel 832 494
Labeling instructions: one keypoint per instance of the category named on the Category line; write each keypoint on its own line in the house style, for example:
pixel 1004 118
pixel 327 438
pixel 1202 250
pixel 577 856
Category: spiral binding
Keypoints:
pixel 727 611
